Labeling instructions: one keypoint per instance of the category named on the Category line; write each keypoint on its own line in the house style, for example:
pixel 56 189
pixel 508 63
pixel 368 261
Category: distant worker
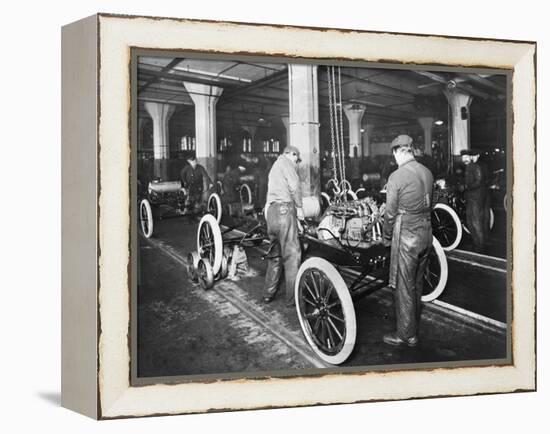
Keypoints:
pixel 283 209
pixel 408 230
pixel 477 197
pixel 196 181
pixel 231 182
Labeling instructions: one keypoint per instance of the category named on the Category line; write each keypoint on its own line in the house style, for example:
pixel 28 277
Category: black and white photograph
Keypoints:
pixel 293 217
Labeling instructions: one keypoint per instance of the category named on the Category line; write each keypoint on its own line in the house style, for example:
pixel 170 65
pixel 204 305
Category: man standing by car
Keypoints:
pixel 283 209
pixel 477 197
pixel 196 182
pixel 408 230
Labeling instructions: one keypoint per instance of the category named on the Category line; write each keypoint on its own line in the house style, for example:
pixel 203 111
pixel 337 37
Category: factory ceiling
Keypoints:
pixel 256 93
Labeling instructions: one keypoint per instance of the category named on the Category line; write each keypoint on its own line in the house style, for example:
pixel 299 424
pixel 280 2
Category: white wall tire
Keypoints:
pixel 246 194
pixel 326 312
pixel 209 241
pixel 436 274
pixel 446 226
pixel 214 206
pixel 146 218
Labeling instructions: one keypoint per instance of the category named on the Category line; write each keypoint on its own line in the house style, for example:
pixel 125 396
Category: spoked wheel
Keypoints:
pixel 146 218
pixel 205 274
pixel 214 206
pixel 246 194
pixel 437 271
pixel 446 226
pixel 325 310
pixel 193 259
pixel 209 241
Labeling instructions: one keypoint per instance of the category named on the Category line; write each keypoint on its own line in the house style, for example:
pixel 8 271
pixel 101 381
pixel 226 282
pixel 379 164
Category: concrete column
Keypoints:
pixel 354 113
pixel 205 98
pixel 304 124
pixel 160 113
pixel 427 124
pixel 460 133
pixel 140 133
pixel 285 121
pixel 367 139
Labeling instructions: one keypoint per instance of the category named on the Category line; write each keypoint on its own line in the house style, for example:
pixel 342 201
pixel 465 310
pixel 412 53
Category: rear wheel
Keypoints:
pixel 193 259
pixel 146 218
pixel 205 274
pixel 325 310
pixel 436 274
pixel 246 194
pixel 209 241
pixel 446 226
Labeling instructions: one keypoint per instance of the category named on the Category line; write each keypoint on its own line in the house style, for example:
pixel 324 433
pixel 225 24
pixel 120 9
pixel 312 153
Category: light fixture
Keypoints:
pixel 362 130
pixel 438 122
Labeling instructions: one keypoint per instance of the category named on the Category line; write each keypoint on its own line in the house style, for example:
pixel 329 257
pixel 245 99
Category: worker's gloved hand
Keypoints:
pixel 300 213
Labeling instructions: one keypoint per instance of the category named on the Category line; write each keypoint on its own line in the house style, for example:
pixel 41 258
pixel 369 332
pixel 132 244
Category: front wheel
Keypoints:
pixel 436 273
pixel 325 310
pixel 214 206
pixel 146 218
pixel 446 226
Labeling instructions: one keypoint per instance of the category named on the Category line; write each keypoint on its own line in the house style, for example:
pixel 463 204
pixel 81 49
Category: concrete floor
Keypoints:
pixel 184 330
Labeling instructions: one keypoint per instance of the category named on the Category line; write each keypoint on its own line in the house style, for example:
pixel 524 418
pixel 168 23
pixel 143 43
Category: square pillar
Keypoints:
pixel 161 114
pixel 459 102
pixel 354 113
pixel 427 125
pixel 304 124
pixel 205 98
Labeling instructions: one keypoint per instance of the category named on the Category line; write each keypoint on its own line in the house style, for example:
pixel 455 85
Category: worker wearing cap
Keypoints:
pixel 196 182
pixel 476 193
pixel 408 230
pixel 283 208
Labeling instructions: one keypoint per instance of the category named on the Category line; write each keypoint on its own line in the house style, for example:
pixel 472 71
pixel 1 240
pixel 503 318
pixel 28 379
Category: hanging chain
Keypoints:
pixel 342 155
pixel 330 105
pixel 338 138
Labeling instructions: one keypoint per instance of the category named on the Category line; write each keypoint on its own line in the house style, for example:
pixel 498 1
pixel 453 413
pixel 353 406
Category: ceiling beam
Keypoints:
pixel 168 67
pixel 440 79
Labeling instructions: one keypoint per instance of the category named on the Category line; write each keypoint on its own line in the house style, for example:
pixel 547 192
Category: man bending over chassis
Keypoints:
pixel 283 208
pixel 408 229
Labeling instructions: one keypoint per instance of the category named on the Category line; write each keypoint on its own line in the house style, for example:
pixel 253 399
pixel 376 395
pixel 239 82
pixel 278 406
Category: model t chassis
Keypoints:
pixel 334 274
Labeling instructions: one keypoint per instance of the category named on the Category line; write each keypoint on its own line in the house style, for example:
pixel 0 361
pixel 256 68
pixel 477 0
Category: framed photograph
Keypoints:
pixel 261 216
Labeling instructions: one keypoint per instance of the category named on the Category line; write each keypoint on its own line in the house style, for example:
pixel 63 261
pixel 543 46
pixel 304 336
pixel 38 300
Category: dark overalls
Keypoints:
pixel 196 181
pixel 407 224
pixel 477 204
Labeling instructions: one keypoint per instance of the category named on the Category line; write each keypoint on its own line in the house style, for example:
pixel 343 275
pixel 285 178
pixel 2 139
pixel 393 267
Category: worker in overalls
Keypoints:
pixel 476 193
pixel 197 183
pixel 408 230
pixel 283 209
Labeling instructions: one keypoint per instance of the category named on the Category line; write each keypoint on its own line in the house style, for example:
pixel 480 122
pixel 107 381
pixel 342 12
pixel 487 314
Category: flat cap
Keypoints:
pixel 402 140
pixel 471 152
